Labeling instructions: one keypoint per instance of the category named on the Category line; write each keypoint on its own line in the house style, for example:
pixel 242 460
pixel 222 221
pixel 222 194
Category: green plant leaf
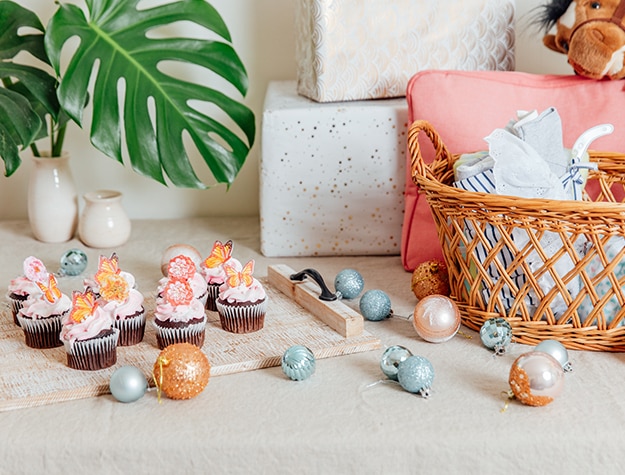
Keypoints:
pixel 114 47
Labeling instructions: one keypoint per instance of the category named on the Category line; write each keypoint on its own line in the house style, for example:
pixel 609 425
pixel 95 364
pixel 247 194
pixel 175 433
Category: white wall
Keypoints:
pixel 264 35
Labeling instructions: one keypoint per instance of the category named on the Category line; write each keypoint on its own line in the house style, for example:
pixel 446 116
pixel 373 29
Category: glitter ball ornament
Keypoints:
pixel 179 250
pixel 496 334
pixel 416 374
pixel 536 378
pixel 181 371
pixel 298 363
pixel 436 318
pixel 558 351
pixel 391 358
pixel 375 305
pixel 349 283
pixel 128 384
pixel 430 278
pixel 73 263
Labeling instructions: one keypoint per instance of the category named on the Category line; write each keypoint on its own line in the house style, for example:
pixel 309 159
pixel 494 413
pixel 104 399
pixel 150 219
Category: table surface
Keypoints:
pixel 344 419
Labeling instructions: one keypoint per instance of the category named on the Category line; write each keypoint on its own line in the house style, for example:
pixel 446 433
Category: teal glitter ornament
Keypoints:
pixel 73 263
pixel 558 351
pixel 128 384
pixel 349 283
pixel 298 363
pixel 496 334
pixel 416 375
pixel 375 305
pixel 391 358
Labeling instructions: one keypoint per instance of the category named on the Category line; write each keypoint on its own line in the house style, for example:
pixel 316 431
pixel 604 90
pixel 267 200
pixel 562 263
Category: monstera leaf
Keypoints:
pixel 156 112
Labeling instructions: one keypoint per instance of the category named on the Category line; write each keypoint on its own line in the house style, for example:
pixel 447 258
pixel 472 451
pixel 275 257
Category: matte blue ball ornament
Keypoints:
pixel 416 374
pixel 496 334
pixel 375 305
pixel 558 351
pixel 298 363
pixel 73 263
pixel 128 384
pixel 391 358
pixel 349 283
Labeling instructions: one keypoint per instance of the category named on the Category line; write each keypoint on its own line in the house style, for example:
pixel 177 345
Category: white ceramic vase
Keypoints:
pixel 52 199
pixel 103 221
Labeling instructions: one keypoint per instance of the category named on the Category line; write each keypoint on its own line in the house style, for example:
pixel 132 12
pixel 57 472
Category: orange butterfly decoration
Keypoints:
pixel 106 267
pixel 178 292
pixel 234 278
pixel 50 291
pixel 83 305
pixel 220 254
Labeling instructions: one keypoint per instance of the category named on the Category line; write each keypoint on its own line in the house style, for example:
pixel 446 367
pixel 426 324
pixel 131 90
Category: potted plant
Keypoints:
pixel 118 46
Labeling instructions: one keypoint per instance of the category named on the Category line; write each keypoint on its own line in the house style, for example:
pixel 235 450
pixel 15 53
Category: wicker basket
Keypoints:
pixel 595 222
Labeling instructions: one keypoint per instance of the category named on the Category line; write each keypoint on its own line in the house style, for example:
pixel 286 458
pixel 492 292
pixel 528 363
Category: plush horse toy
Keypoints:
pixel 590 32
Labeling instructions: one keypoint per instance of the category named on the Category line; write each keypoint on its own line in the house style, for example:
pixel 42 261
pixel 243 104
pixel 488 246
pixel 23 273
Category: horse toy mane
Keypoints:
pixel 590 32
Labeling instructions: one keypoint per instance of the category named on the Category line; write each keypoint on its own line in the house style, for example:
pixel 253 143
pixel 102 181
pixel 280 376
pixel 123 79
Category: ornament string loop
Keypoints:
pixel 158 382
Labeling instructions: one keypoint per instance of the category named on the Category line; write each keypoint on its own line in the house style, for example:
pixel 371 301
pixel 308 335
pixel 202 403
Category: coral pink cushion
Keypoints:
pixel 465 106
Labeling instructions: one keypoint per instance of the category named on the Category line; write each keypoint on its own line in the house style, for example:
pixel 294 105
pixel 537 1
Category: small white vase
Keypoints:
pixel 52 199
pixel 103 221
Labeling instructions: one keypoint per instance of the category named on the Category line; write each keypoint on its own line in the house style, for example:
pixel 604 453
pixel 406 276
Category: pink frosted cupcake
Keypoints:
pixel 214 272
pixel 179 316
pixel 88 335
pixel 42 315
pixel 25 285
pixel 242 301
pixel 183 268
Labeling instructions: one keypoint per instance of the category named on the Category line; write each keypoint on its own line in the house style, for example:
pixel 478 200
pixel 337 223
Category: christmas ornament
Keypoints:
pixel 496 334
pixel 73 263
pixel 128 384
pixel 558 351
pixel 180 250
pixel 536 378
pixel 181 371
pixel 375 305
pixel 416 374
pixel 349 283
pixel 391 358
pixel 430 278
pixel 298 363
pixel 436 318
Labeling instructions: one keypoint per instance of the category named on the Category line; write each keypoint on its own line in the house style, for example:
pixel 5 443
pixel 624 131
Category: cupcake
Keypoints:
pixel 179 316
pixel 42 315
pixel 242 300
pixel 119 297
pixel 23 286
pixel 183 268
pixel 214 272
pixel 88 334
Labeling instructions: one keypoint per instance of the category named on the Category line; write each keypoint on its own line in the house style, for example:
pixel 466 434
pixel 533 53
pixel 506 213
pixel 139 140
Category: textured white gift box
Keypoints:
pixel 331 175
pixel 364 49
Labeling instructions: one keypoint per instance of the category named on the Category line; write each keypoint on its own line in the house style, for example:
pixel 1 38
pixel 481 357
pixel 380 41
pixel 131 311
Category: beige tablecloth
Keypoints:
pixel 343 419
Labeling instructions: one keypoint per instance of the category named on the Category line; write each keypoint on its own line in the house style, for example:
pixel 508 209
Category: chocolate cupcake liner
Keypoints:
pixel 93 354
pixel 239 318
pixel 213 294
pixel 16 304
pixel 131 330
pixel 41 333
pixel 193 333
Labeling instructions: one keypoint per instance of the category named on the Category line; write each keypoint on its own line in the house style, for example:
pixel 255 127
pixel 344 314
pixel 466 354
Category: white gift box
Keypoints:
pixel 365 49
pixel 331 175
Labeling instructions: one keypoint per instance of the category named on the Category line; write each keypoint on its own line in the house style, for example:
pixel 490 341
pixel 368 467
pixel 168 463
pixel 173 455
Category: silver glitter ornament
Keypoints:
pixel 375 305
pixel 73 263
pixel 391 358
pixel 128 384
pixel 298 363
pixel 416 374
pixel 349 283
pixel 496 334
pixel 558 351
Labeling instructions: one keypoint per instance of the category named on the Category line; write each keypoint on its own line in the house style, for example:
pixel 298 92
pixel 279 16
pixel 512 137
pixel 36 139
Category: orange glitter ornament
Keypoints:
pixel 430 278
pixel 181 371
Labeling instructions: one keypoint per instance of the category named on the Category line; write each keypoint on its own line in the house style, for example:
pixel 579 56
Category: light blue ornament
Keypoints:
pixel 496 334
pixel 375 305
pixel 349 283
pixel 558 351
pixel 128 384
pixel 391 358
pixel 73 263
pixel 298 362
pixel 416 374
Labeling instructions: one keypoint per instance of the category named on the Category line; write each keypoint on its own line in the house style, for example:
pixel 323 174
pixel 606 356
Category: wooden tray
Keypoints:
pixel 37 377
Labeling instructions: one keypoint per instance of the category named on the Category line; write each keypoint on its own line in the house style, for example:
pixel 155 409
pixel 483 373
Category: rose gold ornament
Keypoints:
pixel 181 371
pixel 436 318
pixel 536 378
pixel 179 250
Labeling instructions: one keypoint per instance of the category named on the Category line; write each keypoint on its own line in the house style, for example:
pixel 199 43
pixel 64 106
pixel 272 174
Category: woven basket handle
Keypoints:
pixel 443 160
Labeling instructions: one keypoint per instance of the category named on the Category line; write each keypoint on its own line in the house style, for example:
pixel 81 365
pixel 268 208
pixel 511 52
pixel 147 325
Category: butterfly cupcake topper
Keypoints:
pixel 178 292
pixel 83 305
pixel 35 270
pixel 181 268
pixel 114 287
pixel 235 278
pixel 50 290
pixel 220 254
pixel 107 267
